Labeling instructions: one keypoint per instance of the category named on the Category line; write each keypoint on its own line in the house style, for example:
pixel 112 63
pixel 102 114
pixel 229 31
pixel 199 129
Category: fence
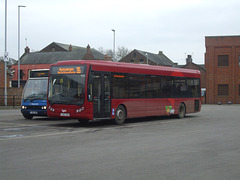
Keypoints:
pixel 13 97
pixel 12 100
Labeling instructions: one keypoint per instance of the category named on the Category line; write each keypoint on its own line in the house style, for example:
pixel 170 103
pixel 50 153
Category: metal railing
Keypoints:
pixel 12 100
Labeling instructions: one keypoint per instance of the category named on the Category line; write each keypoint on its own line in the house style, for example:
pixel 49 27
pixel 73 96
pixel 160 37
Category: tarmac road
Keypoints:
pixel 201 146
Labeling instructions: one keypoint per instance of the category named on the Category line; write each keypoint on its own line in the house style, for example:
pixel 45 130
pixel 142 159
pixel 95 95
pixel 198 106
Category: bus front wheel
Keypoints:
pixel 83 121
pixel 120 115
pixel 27 116
pixel 181 111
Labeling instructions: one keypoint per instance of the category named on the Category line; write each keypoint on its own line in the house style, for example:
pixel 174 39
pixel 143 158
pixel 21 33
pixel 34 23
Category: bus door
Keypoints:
pixel 101 95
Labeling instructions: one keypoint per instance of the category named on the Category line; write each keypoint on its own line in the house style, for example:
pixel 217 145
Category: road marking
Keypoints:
pixel 128 125
pixel 18 136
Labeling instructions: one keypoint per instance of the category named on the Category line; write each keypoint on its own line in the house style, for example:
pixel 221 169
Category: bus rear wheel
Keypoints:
pixel 181 111
pixel 120 115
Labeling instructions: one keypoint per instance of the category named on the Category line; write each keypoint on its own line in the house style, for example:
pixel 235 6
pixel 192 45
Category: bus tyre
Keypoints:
pixel 27 116
pixel 120 115
pixel 181 111
pixel 83 121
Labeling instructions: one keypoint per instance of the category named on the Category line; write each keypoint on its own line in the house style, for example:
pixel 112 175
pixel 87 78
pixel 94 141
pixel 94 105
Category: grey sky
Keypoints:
pixel 175 27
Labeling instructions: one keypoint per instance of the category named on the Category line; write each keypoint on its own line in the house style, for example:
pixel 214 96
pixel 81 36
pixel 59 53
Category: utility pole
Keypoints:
pixel 113 44
pixel 19 44
pixel 6 59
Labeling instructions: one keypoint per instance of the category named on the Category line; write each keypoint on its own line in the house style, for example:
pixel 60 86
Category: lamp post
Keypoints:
pixel 113 44
pixel 5 56
pixel 19 43
pixel 147 57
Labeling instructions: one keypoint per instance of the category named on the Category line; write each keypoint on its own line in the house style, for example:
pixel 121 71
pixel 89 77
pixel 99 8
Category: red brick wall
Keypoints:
pixel 215 75
pixel 14 96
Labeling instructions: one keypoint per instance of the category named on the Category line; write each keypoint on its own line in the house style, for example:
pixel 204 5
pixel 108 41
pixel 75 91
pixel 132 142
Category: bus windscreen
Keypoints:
pixel 35 89
pixel 67 85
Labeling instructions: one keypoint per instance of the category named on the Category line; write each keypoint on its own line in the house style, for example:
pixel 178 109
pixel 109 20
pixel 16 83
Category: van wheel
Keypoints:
pixel 120 115
pixel 181 111
pixel 27 116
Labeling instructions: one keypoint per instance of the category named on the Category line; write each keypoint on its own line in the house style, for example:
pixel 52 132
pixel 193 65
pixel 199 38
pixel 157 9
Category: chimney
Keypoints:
pixel 70 47
pixel 189 59
pixel 160 52
pixel 88 55
pixel 107 58
pixel 27 50
pixel 88 49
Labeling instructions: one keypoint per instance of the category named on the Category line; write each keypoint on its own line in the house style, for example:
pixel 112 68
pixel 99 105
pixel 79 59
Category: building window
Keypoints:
pixel 222 60
pixel 223 90
pixel 21 74
pixel 239 90
pixel 131 61
pixel 134 54
pixel 141 61
pixel 239 60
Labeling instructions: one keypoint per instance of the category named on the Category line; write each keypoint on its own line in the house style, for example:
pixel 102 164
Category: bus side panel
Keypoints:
pixel 156 107
pixel 153 107
pixel 146 107
pixel 193 105
pixel 161 107
pixel 135 107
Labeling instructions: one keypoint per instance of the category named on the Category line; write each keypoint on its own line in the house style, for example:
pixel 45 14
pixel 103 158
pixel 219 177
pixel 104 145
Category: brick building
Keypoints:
pixel 143 57
pixel 222 61
pixel 52 53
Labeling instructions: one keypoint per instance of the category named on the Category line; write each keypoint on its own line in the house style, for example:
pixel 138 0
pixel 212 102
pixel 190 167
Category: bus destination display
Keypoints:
pixel 68 70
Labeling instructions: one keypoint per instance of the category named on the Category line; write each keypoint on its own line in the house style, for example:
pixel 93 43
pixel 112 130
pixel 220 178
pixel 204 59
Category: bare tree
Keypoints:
pixel 109 52
pixel 122 52
pixel 101 50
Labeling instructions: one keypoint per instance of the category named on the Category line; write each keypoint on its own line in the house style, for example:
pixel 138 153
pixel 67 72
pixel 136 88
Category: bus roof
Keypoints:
pixel 108 66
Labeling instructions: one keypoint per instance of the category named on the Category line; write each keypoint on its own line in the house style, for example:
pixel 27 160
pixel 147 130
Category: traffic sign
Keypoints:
pixel 6 58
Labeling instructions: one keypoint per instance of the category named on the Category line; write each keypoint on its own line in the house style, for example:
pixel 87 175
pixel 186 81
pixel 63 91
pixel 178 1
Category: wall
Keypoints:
pixel 215 75
pixel 14 96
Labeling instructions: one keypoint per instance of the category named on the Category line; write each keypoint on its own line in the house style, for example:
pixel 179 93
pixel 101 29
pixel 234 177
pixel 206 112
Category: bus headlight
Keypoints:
pixel 44 107
pixel 51 109
pixel 79 110
pixel 24 107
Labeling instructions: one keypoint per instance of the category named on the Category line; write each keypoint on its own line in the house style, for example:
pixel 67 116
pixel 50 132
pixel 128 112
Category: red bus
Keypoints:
pixel 93 89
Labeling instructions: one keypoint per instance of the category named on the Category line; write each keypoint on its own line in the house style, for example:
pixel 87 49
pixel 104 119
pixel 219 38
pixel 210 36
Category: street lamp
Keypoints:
pixel 147 57
pixel 113 44
pixel 5 56
pixel 19 43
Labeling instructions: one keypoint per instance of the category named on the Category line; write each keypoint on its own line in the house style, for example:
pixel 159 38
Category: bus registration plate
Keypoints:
pixel 65 114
